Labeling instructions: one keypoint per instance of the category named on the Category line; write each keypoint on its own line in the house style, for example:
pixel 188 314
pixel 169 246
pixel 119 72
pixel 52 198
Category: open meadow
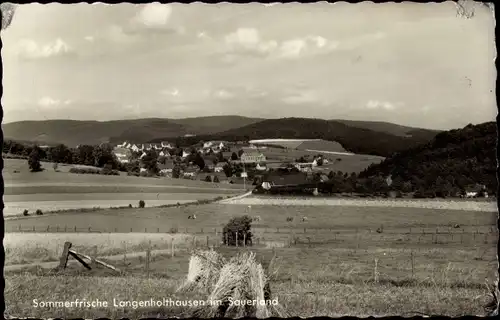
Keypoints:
pixel 52 191
pixel 433 261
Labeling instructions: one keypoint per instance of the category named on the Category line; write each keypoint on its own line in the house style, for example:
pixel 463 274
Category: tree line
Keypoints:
pixel 97 156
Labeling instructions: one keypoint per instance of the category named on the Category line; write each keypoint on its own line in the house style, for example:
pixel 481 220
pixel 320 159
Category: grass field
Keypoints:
pixel 333 264
pixel 337 162
pixel 51 191
pixel 329 270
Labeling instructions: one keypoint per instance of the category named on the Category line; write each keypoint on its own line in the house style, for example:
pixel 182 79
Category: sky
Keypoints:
pixel 409 63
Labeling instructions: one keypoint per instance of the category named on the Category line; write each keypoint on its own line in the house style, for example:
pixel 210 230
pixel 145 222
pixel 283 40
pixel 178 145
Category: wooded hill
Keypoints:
pixel 353 139
pixel 450 162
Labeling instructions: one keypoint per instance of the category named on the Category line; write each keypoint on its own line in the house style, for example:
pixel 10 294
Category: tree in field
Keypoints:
pixel 240 153
pixel 216 179
pixel 34 160
pixel 228 170
pixel 220 157
pixel 150 161
pixel 198 160
pixel 238 231
pixel 234 156
pixel 176 172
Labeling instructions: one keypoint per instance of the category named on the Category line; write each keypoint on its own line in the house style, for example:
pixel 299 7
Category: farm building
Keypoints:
pixel 261 167
pixel 252 157
pixel 219 167
pixel 289 179
pixel 473 191
pixel 306 167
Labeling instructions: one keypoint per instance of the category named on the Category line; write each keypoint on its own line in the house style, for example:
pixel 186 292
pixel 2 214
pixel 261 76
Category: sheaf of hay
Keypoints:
pixel 241 279
pixel 203 272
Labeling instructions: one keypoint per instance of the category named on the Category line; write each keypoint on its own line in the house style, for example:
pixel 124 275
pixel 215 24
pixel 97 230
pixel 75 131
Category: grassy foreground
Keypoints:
pixel 299 298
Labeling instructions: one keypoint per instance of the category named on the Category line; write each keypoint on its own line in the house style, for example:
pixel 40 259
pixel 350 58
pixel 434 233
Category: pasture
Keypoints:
pixel 333 264
pixel 337 162
pixel 53 191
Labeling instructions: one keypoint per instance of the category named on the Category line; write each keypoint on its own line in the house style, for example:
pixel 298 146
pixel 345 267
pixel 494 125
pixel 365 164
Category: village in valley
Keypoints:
pixel 217 158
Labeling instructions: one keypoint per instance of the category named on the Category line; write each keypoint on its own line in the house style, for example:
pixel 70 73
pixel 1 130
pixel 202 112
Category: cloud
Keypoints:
pixel 307 96
pixel 89 38
pixel 154 15
pixel 30 49
pixel 248 40
pixel 374 104
pixel 48 102
pixel 170 92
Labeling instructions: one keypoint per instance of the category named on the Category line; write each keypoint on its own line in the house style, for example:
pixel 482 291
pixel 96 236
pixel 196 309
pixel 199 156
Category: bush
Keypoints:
pixel 240 226
pixel 25 213
pixel 174 230
pixel 216 179
pixel 208 179
pixel 142 204
pixel 39 212
pixel 130 205
pixel 34 161
pixel 84 171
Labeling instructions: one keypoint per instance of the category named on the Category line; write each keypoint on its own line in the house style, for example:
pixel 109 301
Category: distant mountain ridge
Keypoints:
pixel 353 139
pixel 355 136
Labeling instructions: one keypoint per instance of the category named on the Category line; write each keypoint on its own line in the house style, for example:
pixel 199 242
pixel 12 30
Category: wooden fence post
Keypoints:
pixel 208 243
pixel 304 230
pixel 148 257
pixel 130 229
pixel 227 238
pixel 57 229
pixel 124 253
pixel 158 230
pixel 74 228
pixel 244 239
pixel 202 230
pixel 63 260
pixel 48 228
pixel 65 228
pixel 194 241
pixel 412 266
pixel 89 229
pixel 236 238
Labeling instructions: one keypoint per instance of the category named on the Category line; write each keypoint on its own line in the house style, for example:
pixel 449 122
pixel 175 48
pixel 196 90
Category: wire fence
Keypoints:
pixel 300 236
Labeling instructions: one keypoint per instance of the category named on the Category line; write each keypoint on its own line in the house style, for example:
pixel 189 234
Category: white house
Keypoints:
pixel 162 154
pixel 219 167
pixel 142 155
pixel 143 170
pixel 166 145
pixel 207 144
pixel 252 157
pixel 184 154
pixel 221 145
pixel 260 168
pixel 135 148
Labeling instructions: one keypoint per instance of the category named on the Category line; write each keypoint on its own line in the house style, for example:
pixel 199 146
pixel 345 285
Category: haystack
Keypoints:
pixel 203 272
pixel 242 290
